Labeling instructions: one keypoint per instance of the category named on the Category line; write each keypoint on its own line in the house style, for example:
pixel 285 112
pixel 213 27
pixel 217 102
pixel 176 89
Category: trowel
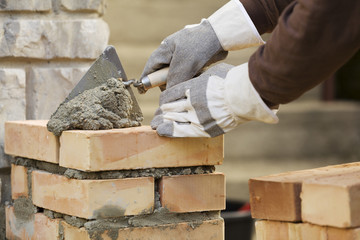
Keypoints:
pixel 108 65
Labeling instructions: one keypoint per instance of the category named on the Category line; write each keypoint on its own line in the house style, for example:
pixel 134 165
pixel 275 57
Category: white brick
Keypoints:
pixel 12 102
pixel 84 5
pixel 48 87
pixel 25 5
pixel 48 39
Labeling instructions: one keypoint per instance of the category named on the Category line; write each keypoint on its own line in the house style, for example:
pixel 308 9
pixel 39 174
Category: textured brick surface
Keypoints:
pixel 12 102
pixel 273 230
pixel 193 193
pixel 84 5
pixel 48 39
pixel 71 232
pixel 333 200
pixel 93 198
pixel 19 181
pixel 25 5
pixel 209 230
pixel 134 148
pixel 34 227
pixel 277 197
pixel 31 139
pixel 48 87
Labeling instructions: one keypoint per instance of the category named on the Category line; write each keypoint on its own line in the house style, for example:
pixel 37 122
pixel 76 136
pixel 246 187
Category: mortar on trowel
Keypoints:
pixel 103 98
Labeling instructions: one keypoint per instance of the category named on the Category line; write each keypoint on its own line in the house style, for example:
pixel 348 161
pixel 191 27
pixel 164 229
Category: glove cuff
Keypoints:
pixel 234 28
pixel 242 98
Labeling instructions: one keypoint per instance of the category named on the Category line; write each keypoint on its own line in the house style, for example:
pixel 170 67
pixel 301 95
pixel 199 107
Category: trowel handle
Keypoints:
pixel 155 79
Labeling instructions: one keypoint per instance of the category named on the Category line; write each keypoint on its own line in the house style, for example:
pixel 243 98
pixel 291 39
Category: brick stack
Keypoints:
pixel 315 204
pixel 46 46
pixel 112 184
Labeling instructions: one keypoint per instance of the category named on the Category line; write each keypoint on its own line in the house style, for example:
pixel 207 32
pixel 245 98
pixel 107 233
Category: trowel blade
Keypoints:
pixel 106 66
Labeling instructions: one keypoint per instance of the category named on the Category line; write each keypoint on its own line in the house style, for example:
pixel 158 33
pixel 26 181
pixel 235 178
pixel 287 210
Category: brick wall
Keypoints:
pixel 171 191
pixel 45 48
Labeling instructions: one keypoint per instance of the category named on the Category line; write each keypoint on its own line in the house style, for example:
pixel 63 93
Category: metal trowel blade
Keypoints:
pixel 106 66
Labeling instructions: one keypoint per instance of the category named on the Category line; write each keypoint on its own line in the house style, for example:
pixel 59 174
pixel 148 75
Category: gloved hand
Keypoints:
pixel 209 105
pixel 187 51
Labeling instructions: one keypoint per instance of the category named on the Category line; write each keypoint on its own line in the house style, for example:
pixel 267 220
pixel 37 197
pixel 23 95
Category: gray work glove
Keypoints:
pixel 209 105
pixel 186 52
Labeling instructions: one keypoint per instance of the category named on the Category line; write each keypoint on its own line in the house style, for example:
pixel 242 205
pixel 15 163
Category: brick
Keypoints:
pixel 49 39
pixel 36 227
pixel 19 181
pixel 209 230
pixel 84 5
pixel 12 102
pixel 274 230
pixel 271 230
pixel 26 5
pixel 277 196
pixel 46 228
pixel 193 193
pixel 31 139
pixel 134 148
pixel 93 199
pixel 71 232
pixel 48 87
pixel 332 200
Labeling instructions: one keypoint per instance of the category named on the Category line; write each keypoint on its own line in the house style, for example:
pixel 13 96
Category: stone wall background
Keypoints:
pixel 46 46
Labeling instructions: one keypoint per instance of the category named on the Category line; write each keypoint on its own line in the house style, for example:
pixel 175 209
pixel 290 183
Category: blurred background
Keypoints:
pixel 320 128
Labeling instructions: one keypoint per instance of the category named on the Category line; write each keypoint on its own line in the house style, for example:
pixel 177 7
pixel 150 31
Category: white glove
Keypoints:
pixel 214 103
pixel 187 51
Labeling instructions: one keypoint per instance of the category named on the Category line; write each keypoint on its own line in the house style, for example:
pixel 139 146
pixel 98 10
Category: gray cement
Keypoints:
pixel 105 107
pixel 157 173
pixel 161 216
pixel 24 209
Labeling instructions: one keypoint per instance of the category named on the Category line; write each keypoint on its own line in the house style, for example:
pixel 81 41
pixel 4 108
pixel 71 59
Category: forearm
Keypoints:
pixel 265 13
pixel 311 41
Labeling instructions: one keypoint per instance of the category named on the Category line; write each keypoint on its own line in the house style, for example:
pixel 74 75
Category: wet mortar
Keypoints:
pixel 107 106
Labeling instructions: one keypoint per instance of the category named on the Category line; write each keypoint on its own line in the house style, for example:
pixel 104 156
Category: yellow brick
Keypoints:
pixel 31 139
pixel 271 230
pixel 134 148
pixel 277 196
pixel 193 193
pixel 209 230
pixel 46 228
pixel 274 230
pixel 332 200
pixel 19 181
pixel 74 233
pixel 93 198
pixel 37 227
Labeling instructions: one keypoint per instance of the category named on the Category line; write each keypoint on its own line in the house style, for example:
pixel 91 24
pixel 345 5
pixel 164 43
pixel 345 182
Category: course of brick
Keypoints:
pixel 314 204
pixel 275 230
pixel 157 197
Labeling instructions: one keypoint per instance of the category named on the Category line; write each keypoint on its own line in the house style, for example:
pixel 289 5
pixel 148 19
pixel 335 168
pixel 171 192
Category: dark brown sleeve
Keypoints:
pixel 312 40
pixel 265 13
